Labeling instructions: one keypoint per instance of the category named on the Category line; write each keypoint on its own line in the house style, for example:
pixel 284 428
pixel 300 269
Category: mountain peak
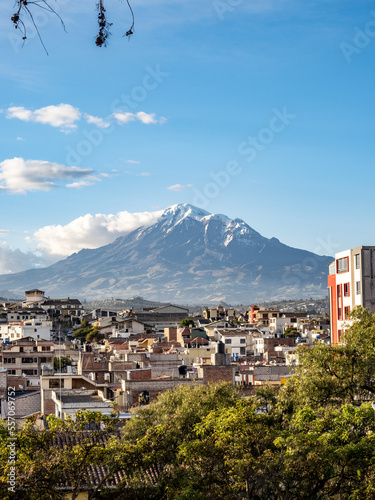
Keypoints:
pixel 180 211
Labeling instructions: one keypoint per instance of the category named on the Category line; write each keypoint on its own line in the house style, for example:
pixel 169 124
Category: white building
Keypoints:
pixel 351 283
pixel 33 328
pixel 235 341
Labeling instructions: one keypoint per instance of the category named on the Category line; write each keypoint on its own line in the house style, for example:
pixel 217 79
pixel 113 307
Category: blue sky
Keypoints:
pixel 261 110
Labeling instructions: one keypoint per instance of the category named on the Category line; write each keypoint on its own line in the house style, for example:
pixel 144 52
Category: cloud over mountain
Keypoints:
pixel 91 231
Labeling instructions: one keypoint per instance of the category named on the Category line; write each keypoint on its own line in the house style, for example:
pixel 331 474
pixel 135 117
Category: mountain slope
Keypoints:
pixel 188 255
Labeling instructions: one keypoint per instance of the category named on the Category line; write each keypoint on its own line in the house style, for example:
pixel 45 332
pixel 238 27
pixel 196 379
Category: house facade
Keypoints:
pixel 350 284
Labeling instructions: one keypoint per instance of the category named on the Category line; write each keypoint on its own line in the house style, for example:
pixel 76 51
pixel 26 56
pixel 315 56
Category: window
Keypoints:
pixel 338 291
pixel 358 287
pixel 342 265
pixel 30 372
pixel 347 312
pixel 29 360
pixel 265 315
pixel 228 341
pixel 11 372
pixel 46 348
pixel 55 384
pixel 346 290
pixel 242 351
pixel 10 361
pixel 339 313
pixel 339 333
pixel 357 261
pixel 242 341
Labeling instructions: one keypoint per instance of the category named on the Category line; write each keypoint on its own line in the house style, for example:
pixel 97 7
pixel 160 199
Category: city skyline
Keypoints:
pixel 260 111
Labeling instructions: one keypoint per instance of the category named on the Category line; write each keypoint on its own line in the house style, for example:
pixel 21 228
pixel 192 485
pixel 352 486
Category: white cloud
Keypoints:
pixel 133 161
pixel 96 120
pixel 13 261
pixel 80 184
pixel 62 115
pixel 90 231
pixel 179 187
pixel 19 176
pixel 66 116
pixel 146 118
pixel 4 231
pixel 123 117
pixel 141 174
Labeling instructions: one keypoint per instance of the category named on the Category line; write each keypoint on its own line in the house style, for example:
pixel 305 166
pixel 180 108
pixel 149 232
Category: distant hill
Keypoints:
pixel 187 256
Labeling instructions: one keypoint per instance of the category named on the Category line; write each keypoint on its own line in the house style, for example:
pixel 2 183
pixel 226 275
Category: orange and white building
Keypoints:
pixel 351 283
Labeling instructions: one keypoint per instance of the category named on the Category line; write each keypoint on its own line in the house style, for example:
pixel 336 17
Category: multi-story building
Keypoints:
pixel 25 358
pixel 351 283
pixel 30 328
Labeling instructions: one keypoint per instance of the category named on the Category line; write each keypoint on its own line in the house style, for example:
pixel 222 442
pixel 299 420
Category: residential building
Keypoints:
pixel 351 283
pixel 25 359
pixel 31 328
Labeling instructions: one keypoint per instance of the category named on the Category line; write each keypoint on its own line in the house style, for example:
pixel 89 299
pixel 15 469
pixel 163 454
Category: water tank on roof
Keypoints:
pixel 298 340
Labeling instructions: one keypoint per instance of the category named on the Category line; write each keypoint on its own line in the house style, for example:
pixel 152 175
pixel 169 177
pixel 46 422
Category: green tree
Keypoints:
pixel 291 331
pixel 187 322
pixel 336 374
pixel 61 362
pixel 61 453
pixel 95 335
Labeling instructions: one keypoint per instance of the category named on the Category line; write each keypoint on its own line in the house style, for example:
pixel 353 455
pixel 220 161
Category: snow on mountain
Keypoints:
pixel 187 255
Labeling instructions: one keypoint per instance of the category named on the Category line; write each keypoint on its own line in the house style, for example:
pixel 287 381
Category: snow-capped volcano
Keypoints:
pixel 187 255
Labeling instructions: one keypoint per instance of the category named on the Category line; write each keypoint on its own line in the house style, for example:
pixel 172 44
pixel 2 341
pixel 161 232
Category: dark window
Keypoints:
pixel 29 360
pixel 11 372
pixel 347 312
pixel 242 351
pixel 55 384
pixel 242 341
pixel 358 288
pixel 30 372
pixel 346 290
pixel 228 341
pixel 10 361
